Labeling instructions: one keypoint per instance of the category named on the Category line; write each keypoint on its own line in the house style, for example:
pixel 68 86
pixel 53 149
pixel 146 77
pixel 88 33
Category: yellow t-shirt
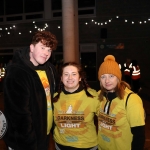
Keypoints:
pixel 46 86
pixel 74 119
pixel 114 129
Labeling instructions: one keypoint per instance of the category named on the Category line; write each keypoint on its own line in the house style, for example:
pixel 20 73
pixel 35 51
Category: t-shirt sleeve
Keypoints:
pixel 135 111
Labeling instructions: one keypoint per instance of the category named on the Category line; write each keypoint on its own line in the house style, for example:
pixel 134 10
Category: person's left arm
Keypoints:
pixel 138 137
pixel 136 118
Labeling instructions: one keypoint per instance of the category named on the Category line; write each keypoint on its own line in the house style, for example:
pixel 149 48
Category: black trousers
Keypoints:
pixel 61 147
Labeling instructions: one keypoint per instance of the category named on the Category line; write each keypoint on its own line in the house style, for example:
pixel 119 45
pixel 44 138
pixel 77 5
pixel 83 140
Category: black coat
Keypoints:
pixel 25 104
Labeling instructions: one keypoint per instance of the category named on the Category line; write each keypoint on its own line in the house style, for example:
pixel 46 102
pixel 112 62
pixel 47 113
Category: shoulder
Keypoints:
pixel 92 91
pixel 55 94
pixel 133 98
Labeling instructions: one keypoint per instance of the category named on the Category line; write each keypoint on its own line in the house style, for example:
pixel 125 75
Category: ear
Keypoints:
pixel 31 47
pixel 80 79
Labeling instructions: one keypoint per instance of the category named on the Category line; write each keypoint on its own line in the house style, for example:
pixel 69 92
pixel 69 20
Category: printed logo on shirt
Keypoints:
pixel 108 122
pixel 3 125
pixel 70 119
pixel 47 91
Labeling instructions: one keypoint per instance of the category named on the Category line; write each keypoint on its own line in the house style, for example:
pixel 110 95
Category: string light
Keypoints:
pixel 116 17
pixel 35 26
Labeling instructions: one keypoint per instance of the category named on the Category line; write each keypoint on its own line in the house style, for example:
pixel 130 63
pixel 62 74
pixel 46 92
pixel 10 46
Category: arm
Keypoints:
pixel 17 107
pixel 135 116
pixel 138 137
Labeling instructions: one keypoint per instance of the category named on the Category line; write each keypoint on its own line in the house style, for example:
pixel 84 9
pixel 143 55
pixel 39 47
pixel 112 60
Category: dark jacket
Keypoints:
pixel 25 104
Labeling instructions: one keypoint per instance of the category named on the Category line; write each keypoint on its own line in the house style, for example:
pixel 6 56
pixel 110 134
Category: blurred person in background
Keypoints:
pixel 136 76
pixel 127 71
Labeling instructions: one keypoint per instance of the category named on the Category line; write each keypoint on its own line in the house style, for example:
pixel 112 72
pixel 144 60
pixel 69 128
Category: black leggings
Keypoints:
pixel 61 147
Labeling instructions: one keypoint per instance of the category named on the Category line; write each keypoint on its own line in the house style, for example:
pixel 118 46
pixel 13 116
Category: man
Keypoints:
pixel 127 71
pixel 28 89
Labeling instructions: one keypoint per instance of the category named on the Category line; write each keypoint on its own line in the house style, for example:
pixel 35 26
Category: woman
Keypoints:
pixel 75 105
pixel 120 122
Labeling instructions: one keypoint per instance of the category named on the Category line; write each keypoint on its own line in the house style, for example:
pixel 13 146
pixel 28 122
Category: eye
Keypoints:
pixel 74 74
pixel 102 77
pixel 111 75
pixel 65 74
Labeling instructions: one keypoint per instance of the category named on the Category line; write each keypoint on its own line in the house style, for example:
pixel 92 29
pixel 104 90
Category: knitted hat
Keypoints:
pixel 109 66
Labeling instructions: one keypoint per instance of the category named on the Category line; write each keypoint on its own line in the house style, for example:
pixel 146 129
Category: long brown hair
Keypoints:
pixel 120 90
pixel 81 74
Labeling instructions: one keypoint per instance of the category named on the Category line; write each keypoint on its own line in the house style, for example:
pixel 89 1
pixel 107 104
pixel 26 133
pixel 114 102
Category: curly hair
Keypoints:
pixel 81 74
pixel 46 38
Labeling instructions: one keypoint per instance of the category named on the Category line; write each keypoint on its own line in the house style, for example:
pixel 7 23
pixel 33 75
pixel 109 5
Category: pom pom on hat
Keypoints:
pixel 109 66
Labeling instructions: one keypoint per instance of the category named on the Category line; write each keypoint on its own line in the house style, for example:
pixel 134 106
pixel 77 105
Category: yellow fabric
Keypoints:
pixel 74 119
pixel 109 66
pixel 115 129
pixel 46 86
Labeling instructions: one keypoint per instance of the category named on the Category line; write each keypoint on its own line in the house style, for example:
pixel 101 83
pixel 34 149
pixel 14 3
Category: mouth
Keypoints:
pixel 70 82
pixel 44 57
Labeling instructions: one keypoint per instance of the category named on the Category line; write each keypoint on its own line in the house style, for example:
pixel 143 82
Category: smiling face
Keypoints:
pixel 109 82
pixel 39 53
pixel 70 78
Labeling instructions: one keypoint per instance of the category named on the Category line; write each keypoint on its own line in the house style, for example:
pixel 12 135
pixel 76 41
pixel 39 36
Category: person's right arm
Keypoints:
pixel 17 101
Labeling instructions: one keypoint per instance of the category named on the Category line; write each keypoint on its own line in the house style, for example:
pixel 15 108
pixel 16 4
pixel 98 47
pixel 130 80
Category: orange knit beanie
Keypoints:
pixel 109 66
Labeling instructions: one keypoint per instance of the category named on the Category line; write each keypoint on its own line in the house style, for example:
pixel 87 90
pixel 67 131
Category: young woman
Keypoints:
pixel 75 105
pixel 121 117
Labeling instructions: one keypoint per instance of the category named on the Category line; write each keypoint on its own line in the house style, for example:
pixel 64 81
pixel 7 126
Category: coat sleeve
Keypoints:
pixel 138 137
pixel 18 112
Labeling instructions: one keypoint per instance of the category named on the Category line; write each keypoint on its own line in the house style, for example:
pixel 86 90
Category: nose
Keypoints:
pixel 46 52
pixel 70 76
pixel 107 80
